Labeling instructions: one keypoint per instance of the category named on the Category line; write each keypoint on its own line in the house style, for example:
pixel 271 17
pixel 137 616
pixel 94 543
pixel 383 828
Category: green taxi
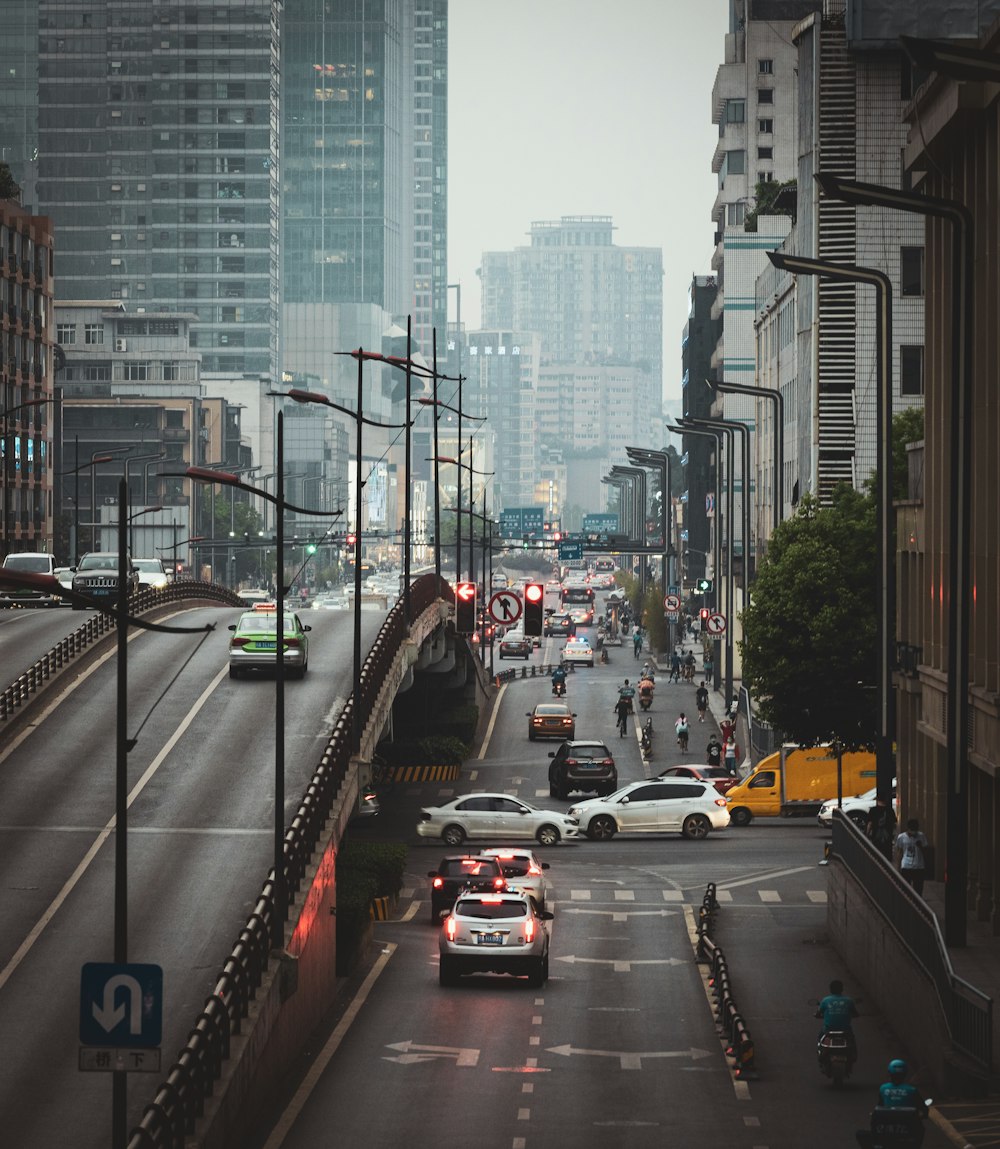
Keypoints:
pixel 253 644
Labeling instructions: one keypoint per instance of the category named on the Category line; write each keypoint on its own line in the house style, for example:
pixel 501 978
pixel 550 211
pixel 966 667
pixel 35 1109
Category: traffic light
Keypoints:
pixel 703 614
pixel 704 585
pixel 534 604
pixel 350 540
pixel 310 546
pixel 465 608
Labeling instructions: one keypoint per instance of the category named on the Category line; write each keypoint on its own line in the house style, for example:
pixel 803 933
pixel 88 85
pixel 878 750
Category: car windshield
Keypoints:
pixel 515 867
pixel 98 562
pixel 34 564
pixel 486 908
pixel 148 565
pixel 551 709
pixel 589 752
pixel 264 624
pixel 468 868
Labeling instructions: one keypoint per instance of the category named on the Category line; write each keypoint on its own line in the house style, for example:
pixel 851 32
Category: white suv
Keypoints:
pixel 658 806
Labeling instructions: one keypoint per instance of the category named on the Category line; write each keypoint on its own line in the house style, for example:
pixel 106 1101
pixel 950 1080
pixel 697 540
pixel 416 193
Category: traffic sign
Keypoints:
pixel 671 603
pixel 121 1004
pixel 571 551
pixel 716 624
pixel 505 607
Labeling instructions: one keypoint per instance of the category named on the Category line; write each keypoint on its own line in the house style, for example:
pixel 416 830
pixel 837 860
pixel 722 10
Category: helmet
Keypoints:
pixel 897 1068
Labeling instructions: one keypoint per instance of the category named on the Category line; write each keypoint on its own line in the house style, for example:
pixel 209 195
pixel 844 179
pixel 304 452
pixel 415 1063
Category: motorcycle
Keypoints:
pixel 558 687
pixel 836 1054
pixel 893 1129
pixel 645 699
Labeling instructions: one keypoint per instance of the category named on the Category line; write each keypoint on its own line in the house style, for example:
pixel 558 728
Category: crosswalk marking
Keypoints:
pixel 624 895
pixel 816 895
pixel 769 895
pixel 580 895
pixel 724 896
pixel 673 895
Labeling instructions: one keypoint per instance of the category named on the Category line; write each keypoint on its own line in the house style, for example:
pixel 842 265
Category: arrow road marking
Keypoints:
pixel 109 1015
pixel 628 1060
pixel 413 1052
pixel 621 965
pixel 622 915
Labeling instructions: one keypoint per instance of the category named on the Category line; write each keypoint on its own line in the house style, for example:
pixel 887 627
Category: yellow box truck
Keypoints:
pixel 794 782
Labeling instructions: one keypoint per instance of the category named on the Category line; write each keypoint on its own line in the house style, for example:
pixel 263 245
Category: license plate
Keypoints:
pixel 264 645
pixel 588 766
pixel 489 939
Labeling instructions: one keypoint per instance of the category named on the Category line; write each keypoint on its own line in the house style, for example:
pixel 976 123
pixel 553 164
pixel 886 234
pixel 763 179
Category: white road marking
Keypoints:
pixel 484 749
pixel 580 895
pixel 624 895
pixel 673 895
pixel 816 895
pixel 629 1060
pixel 769 895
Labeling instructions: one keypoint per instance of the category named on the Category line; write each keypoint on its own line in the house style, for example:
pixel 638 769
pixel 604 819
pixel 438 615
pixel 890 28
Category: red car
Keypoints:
pixel 717 775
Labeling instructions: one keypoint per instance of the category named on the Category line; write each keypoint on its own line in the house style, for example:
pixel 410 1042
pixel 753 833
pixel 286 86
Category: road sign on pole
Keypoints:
pixel 671 603
pixel 505 607
pixel 715 624
pixel 121 1004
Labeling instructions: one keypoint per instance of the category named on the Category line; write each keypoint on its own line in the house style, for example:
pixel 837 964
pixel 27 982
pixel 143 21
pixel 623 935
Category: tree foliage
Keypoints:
pixel 907 427
pixel 810 633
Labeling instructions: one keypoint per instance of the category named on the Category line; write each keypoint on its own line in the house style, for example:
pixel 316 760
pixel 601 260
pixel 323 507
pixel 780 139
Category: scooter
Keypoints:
pixel 894 1129
pixel 836 1055
pixel 645 699
pixel 558 687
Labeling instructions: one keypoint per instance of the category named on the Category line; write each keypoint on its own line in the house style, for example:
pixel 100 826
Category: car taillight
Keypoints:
pixel 237 641
pixel 571 762
pixel 720 802
pixel 451 927
pixel 607 762
pixel 499 883
pixel 534 871
pixel 438 883
pixel 529 930
pixel 292 642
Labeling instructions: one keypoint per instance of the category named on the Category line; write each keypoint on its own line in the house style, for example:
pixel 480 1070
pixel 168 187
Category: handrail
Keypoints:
pixel 180 1096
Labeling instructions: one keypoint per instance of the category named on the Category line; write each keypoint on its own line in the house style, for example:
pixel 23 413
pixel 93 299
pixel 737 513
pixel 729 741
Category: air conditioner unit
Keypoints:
pixel 121 345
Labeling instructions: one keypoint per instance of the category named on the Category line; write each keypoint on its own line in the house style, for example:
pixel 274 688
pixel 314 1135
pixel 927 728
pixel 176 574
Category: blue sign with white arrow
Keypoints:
pixel 121 1004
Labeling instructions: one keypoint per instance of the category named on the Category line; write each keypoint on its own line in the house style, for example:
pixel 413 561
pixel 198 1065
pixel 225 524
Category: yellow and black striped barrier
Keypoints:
pixel 426 773
pixel 380 909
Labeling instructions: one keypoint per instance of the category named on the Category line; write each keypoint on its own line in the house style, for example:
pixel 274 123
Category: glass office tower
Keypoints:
pixel 158 151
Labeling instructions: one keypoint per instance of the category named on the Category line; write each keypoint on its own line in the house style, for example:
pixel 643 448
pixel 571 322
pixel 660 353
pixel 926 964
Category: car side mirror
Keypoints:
pixel 233 627
pixel 527 714
pixel 574 713
pixel 432 873
pixel 546 915
pixel 552 754
pixel 307 628
pixel 624 801
pixel 546 865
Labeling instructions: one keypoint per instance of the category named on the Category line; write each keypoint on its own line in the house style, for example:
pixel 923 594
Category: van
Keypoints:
pixel 29 562
pixel 795 782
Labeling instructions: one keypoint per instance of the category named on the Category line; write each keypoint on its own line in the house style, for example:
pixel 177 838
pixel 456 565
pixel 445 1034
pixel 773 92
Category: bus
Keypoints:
pixel 605 566
pixel 576 594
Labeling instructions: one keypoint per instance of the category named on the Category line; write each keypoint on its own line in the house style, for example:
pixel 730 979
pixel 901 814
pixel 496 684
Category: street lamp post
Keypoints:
pixel 661 460
pixel 942 58
pixel 735 425
pixel 773 395
pixel 637 476
pixel 97 457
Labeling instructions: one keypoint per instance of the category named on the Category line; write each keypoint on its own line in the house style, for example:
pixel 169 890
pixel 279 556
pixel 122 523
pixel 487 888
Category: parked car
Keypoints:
pixel 551 720
pixel 495 933
pixel 96 574
pixel 720 778
pixel 586 766
pixel 456 873
pixel 497 816
pixel 29 562
pixel 660 806
pixel 578 650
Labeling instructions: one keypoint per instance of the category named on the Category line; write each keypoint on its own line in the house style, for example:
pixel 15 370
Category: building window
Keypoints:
pixel 765 67
pixel 911 369
pixel 736 163
pixel 137 371
pixel 736 213
pixel 765 95
pixel 911 270
pixel 65 333
pixel 736 111
pixel 93 333
pixel 171 369
pixel 765 127
pixel 765 153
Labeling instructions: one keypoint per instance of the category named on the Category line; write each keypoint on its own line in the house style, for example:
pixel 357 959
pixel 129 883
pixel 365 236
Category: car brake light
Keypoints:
pixel 499 883
pixel 437 883
pixel 237 641
pixel 451 927
pixel 491 901
pixel 292 641
pixel 529 930
pixel 720 802
pixel 534 870
pixel 506 857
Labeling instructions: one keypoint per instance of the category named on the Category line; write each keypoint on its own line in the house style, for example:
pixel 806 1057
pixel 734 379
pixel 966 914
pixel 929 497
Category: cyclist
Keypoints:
pixel 637 643
pixel 681 726
pixel 689 667
pixel 701 700
pixel 623 708
pixel 675 667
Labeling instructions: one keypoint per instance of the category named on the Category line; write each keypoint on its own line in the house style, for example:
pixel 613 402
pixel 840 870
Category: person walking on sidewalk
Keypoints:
pixel 729 755
pixel 910 846
pixel 701 701
pixel 713 752
pixel 881 827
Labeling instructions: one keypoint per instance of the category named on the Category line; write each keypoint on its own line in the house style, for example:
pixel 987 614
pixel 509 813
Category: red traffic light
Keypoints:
pixel 704 613
pixel 534 592
pixel 350 540
pixel 466 591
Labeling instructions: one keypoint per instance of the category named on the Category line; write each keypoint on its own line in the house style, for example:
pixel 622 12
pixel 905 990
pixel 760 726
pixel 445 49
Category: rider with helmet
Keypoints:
pixel 898 1093
pixel 900 1109
pixel 559 679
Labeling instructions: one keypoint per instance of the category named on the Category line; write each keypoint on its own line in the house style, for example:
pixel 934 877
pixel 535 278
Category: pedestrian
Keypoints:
pixel 910 846
pixel 713 752
pixel 701 701
pixel 709 665
pixel 729 756
pixel 726 730
pixel 880 827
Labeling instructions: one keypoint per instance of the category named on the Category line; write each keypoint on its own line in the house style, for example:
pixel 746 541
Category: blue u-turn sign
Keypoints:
pixel 121 1004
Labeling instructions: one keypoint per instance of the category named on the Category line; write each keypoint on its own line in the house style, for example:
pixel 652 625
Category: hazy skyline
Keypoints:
pixel 569 107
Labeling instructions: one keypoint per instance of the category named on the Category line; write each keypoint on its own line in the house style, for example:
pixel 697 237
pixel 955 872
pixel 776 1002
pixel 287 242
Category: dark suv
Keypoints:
pixel 96 575
pixel 586 766
pixel 457 872
pixel 560 624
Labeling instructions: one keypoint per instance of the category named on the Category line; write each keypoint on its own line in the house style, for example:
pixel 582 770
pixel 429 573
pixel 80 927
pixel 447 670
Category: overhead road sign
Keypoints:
pixel 571 551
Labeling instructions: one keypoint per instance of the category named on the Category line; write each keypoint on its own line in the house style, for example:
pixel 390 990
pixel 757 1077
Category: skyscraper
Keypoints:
pixel 158 150
pixel 19 94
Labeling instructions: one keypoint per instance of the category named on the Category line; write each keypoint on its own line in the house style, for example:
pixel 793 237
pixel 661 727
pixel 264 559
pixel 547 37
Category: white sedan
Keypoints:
pixel 498 816
pixel 578 650
pixel 855 807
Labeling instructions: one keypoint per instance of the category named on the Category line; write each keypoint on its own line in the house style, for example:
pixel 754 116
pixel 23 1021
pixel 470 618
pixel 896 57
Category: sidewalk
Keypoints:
pixel 969 1123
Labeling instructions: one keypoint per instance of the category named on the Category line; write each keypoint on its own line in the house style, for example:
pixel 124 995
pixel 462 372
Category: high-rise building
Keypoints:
pixel 158 152
pixel 598 312
pixel 19 94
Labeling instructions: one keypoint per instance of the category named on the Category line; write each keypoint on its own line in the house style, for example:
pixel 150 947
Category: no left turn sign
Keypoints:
pixel 716 624
pixel 505 607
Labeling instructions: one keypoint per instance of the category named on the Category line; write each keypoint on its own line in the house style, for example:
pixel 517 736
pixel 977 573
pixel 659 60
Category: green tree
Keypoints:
pixel 653 620
pixel 810 633
pixel 9 187
pixel 907 427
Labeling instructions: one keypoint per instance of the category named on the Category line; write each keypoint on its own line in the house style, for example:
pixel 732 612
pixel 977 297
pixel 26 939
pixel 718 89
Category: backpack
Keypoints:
pixel 682 728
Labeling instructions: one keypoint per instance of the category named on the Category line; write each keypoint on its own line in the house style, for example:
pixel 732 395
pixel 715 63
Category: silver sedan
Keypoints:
pixel 497 816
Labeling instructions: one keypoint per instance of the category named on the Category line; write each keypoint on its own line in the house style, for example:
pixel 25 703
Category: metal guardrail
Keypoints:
pixel 28 684
pixel 179 1099
pixel 740 1048
pixel 968 1012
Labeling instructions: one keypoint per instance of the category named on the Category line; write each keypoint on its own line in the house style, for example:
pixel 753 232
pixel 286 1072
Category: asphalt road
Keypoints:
pixel 620 1047
pixel 200 843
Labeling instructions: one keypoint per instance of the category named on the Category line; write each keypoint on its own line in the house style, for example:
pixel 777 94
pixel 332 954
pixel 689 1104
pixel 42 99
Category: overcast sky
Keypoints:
pixel 584 107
